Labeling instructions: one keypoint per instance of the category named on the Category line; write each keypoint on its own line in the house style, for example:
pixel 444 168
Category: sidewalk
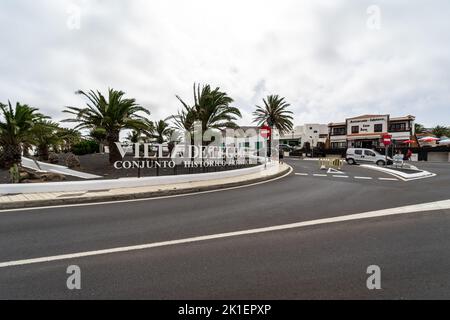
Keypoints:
pixel 64 198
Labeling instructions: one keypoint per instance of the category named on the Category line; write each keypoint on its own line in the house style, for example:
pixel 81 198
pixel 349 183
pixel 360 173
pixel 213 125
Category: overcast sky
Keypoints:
pixel 330 59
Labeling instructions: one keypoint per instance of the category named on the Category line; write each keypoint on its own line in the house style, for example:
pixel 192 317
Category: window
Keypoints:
pixel 379 128
pixel 338 145
pixel 355 129
pixel 369 153
pixel 338 131
pixel 397 127
pixel 358 152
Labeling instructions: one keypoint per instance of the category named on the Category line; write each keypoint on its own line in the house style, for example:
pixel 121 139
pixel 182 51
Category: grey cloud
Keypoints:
pixel 320 55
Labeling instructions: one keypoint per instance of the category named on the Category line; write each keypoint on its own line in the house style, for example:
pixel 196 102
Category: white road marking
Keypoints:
pixel 387 179
pixel 320 175
pixel 345 177
pixel 148 199
pixel 426 207
pixel 335 171
pixel 302 174
pixel 400 175
pixel 364 178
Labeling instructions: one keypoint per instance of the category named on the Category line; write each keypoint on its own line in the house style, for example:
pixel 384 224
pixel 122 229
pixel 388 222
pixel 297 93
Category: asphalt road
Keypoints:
pixel 315 262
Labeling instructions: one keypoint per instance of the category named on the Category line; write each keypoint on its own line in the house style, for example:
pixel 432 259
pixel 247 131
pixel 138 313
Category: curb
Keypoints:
pixel 421 174
pixel 136 196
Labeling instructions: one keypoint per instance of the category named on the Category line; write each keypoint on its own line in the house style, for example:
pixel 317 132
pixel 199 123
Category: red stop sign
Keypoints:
pixel 266 132
pixel 387 139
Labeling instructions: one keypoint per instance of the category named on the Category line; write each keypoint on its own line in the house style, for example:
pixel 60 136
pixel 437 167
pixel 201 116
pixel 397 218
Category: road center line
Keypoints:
pixel 320 175
pixel 364 178
pixel 345 177
pixel 426 207
pixel 387 179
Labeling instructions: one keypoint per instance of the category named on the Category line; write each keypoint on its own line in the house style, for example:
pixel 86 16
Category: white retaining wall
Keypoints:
pixel 125 183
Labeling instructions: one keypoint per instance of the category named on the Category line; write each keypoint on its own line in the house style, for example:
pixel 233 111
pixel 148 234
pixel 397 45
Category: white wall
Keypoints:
pixel 367 125
pixel 93 185
pixel 308 133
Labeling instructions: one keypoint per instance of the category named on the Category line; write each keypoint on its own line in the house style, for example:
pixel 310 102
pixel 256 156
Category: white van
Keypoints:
pixel 364 156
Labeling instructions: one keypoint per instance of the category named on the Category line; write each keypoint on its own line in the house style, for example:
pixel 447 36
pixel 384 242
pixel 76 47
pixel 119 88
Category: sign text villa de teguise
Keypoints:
pixel 212 149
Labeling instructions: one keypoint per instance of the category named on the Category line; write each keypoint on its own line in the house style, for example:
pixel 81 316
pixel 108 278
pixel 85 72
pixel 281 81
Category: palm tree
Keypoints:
pixel 134 136
pixel 161 132
pixel 441 131
pixel 45 134
pixel 183 122
pixel 69 137
pixel 99 136
pixel 419 128
pixel 211 108
pixel 15 131
pixel 112 114
pixel 185 118
pixel 275 114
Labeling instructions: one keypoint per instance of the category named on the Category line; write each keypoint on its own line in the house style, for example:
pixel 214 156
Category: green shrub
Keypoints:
pixel 85 147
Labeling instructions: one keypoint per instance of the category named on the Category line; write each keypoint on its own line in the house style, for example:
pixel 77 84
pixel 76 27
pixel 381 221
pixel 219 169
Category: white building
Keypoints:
pixel 314 134
pixel 367 131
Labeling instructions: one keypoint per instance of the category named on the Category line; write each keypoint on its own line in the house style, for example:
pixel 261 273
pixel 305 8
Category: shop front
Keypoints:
pixel 367 131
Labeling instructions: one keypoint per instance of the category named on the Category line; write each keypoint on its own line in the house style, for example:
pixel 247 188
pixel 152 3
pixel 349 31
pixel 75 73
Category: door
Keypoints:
pixel 367 144
pixel 359 156
pixel 370 156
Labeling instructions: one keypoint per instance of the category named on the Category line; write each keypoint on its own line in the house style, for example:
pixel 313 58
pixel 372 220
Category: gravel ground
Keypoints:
pixel 98 164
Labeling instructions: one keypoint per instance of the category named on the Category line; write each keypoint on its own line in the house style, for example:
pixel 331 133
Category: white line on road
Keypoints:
pixel 320 175
pixel 302 174
pixel 426 207
pixel 364 178
pixel 345 177
pixel 387 179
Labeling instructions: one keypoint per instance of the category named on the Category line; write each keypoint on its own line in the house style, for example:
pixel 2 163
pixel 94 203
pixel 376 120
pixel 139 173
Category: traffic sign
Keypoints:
pixel 266 132
pixel 387 140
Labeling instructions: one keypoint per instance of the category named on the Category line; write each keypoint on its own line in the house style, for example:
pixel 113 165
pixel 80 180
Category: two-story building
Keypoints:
pixel 367 131
pixel 314 134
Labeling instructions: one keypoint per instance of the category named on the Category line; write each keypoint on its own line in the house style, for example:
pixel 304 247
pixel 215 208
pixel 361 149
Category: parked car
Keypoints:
pixel 364 156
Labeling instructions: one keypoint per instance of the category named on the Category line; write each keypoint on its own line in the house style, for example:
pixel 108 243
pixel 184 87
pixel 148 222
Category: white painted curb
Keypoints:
pixel 401 175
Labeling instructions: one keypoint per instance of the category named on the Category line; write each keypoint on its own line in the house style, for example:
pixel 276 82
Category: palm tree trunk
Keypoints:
pixel 114 154
pixel 12 155
pixel 43 153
